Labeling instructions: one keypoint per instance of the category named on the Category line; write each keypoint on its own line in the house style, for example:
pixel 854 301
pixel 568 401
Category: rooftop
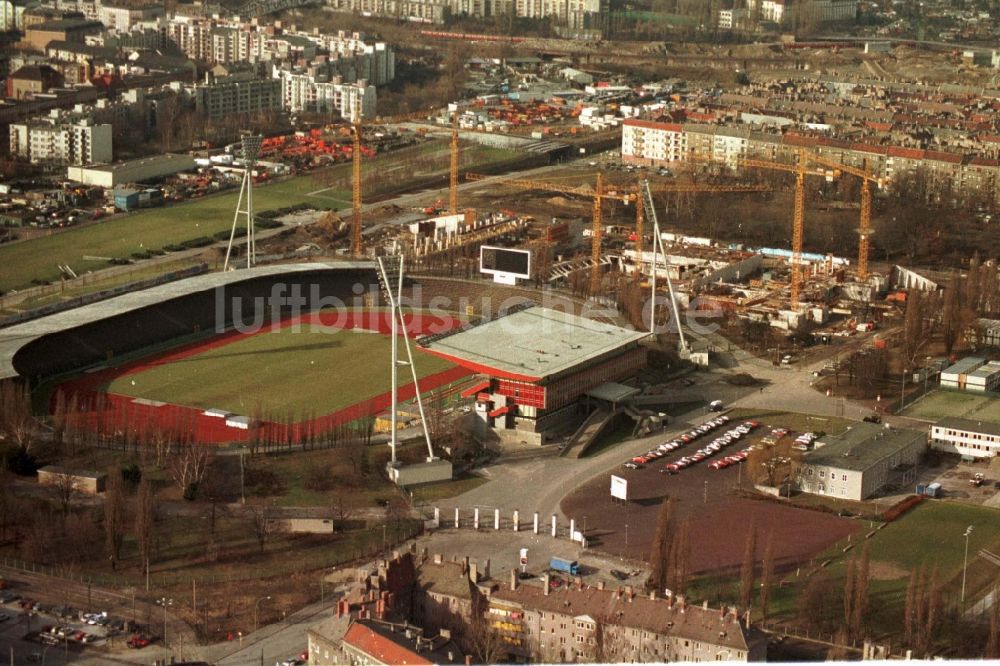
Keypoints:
pixel 986 370
pixel 861 446
pixel 66 24
pixel 387 643
pixel 532 344
pixel 970 425
pixel 446 578
pixel 965 366
pixel 70 471
pixel 699 623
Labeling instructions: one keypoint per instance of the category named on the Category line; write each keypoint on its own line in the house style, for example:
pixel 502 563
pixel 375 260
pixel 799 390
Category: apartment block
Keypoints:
pixel 651 143
pixel 553 626
pixel 783 11
pixel 57 139
pixel 238 94
pixel 305 89
pixel 966 437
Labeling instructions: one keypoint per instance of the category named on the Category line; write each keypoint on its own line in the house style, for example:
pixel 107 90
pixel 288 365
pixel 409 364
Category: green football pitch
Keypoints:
pixel 301 373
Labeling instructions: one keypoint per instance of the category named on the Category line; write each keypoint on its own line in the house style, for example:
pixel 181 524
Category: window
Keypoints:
pixel 845 477
pixel 822 474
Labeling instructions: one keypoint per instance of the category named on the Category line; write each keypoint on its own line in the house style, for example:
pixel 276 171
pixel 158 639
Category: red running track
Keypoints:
pixel 105 411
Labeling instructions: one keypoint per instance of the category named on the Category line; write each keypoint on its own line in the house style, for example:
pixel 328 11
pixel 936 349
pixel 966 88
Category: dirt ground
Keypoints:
pixel 722 516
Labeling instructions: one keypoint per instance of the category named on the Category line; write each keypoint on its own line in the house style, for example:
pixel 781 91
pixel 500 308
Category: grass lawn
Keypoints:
pixel 939 404
pixel 447 489
pixel 794 421
pixel 305 372
pixel 153 229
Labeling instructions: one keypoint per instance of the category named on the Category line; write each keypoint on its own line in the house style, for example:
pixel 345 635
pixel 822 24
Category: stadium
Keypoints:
pixel 278 353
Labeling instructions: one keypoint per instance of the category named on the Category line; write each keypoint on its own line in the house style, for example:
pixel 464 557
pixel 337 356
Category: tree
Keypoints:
pixel 747 568
pixel 343 505
pixel 65 487
pixel 932 615
pixel 766 572
pixel 263 526
pixel 114 515
pixel 917 326
pixel 859 616
pixel 188 467
pixel 145 518
pixel 951 320
pixel 813 602
pixel 910 608
pixel 660 549
pixel 993 642
pixel 850 579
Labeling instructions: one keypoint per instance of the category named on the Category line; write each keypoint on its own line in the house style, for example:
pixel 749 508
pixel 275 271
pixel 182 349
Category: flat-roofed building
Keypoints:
pixel 957 375
pixel 538 362
pixel 966 437
pixel 862 461
pixel 133 171
pixel 984 378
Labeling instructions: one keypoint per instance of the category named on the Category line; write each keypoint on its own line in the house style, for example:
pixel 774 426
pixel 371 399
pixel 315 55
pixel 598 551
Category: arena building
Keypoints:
pixel 537 363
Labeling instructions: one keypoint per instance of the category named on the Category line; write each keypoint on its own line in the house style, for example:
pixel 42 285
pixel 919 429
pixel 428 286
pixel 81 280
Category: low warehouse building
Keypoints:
pixel 966 437
pixel 862 461
pixel 957 375
pixel 133 171
pixel 79 480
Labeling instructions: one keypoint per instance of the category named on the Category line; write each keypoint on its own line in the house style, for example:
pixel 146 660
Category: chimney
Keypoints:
pixel 578 581
pixel 486 569
pixel 468 660
pixel 545 585
pixel 652 595
pixel 600 585
pixel 513 579
pixel 704 604
pixel 438 559
pixel 474 572
pixel 630 592
pixel 670 601
pixel 465 565
pixel 618 593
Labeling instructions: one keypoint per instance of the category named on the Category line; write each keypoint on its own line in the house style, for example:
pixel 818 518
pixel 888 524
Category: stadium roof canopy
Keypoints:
pixel 533 345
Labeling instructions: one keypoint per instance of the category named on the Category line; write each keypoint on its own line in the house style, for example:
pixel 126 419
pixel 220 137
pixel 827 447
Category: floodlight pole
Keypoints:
pixel 250 149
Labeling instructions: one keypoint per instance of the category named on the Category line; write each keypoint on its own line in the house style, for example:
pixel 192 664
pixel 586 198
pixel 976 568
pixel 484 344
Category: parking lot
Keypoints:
pixel 720 515
pixel 35 632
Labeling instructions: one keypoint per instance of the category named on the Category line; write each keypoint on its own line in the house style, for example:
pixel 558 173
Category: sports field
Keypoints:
pixel 305 373
pixel 943 403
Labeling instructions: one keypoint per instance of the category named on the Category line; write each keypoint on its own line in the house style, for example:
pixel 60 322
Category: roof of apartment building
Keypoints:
pixel 62 25
pixel 447 578
pixel 970 425
pixel 388 643
pixel 861 446
pixel 84 49
pixel 660 616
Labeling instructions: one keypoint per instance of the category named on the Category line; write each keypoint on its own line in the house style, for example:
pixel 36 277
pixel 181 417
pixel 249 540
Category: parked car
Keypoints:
pixel 619 575
pixel 137 642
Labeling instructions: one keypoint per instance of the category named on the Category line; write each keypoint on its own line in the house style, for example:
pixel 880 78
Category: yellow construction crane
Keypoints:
pixel 356 131
pixel 627 194
pixel 865 224
pixel 801 170
pixel 453 171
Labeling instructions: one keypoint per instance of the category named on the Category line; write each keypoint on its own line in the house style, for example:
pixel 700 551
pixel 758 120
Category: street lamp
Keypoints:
pixel 965 565
pixel 256 607
pixel 163 601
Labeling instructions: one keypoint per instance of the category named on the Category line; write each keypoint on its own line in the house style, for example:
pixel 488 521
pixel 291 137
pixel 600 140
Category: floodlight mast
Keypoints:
pixel 249 152
pixel 392 282
pixel 650 209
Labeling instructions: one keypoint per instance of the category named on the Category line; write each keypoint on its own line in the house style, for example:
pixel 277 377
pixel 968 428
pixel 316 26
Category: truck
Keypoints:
pixel 567 566
pixel 933 490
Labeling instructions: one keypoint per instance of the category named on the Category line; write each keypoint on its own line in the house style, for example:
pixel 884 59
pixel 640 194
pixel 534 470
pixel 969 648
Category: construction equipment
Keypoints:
pixel 800 169
pixel 977 480
pixel 356 132
pixel 865 224
pixel 453 171
pixel 627 195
